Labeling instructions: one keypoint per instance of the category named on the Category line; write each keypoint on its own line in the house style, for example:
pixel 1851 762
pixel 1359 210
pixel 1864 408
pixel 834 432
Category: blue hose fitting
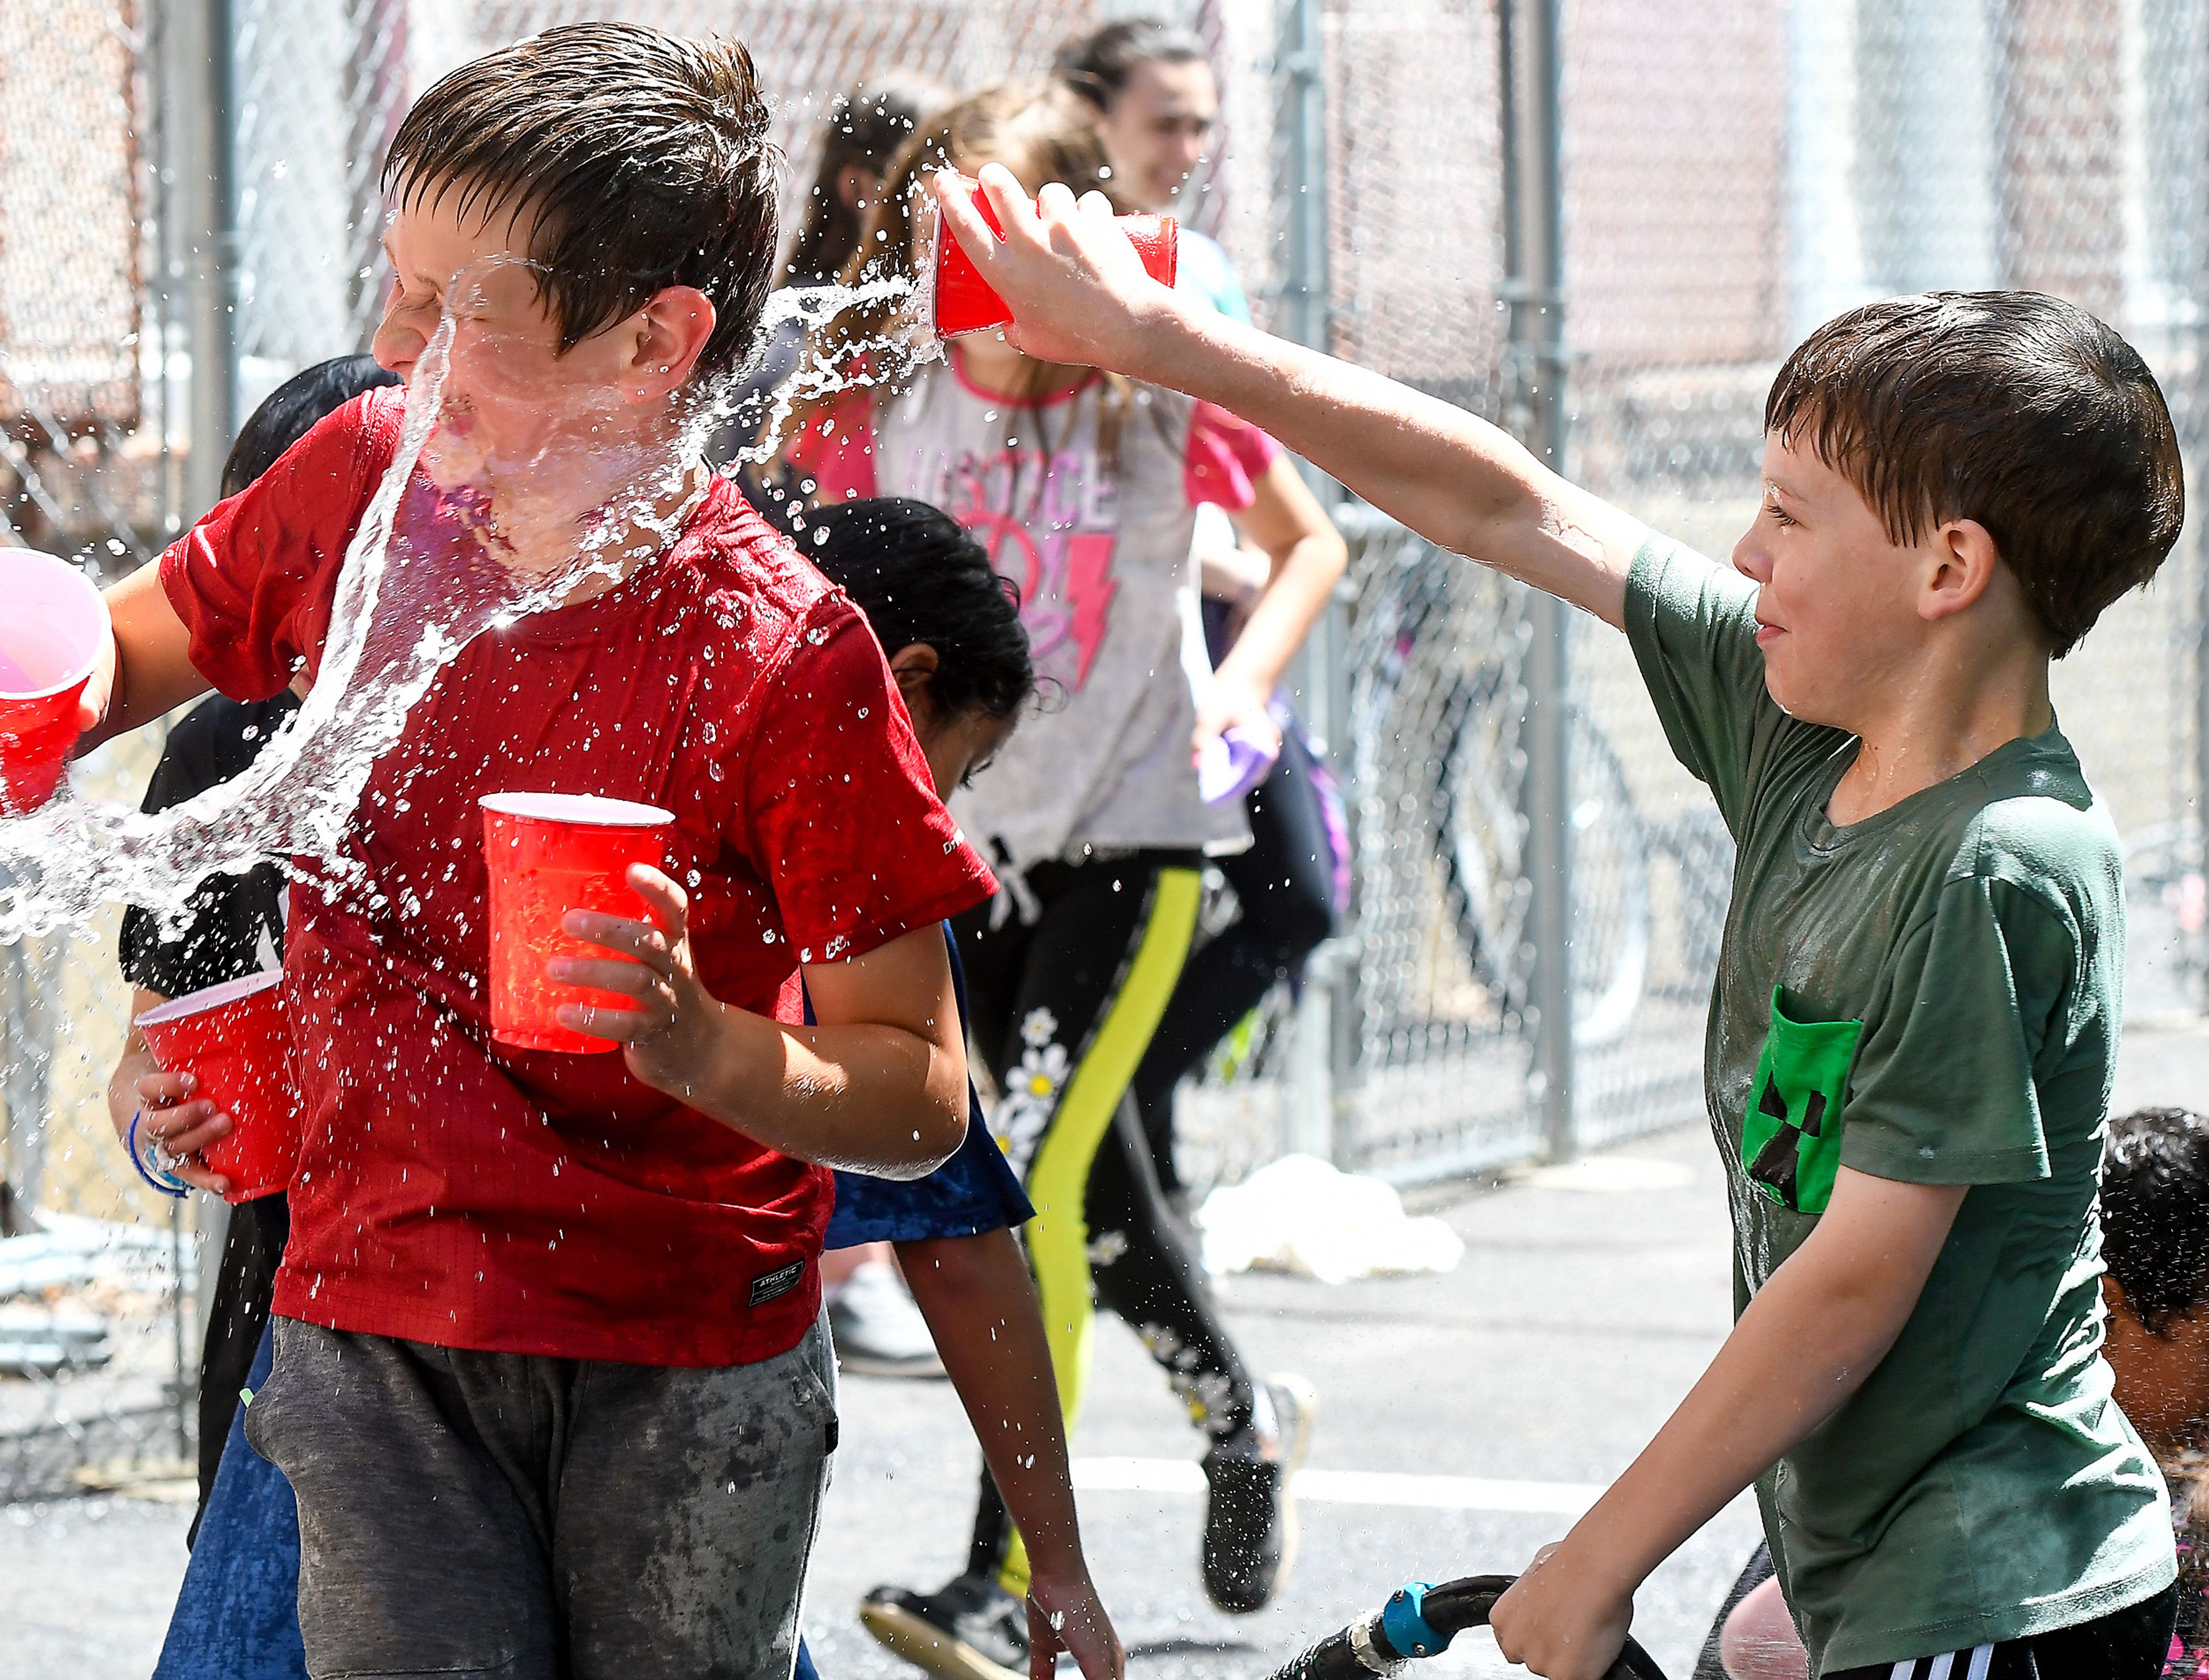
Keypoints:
pixel 1404 1622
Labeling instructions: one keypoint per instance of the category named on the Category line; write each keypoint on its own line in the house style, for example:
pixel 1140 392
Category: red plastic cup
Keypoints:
pixel 548 853
pixel 960 300
pixel 53 627
pixel 231 1038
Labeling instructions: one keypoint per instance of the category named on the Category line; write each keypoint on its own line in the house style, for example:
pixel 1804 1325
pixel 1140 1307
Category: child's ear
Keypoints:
pixel 1963 559
pixel 914 667
pixel 670 333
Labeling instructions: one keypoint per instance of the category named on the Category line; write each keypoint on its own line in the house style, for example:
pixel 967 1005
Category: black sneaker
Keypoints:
pixel 973 1629
pixel 1250 1518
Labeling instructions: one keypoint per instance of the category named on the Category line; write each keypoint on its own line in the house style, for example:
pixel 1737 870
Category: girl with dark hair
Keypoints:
pixel 1156 105
pixel 1084 490
pixel 1155 101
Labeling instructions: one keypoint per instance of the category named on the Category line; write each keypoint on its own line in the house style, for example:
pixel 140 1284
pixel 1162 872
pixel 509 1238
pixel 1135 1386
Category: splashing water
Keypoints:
pixel 514 489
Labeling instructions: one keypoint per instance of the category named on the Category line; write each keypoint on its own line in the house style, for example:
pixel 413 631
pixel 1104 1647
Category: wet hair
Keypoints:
pixel 919 577
pixel 2155 1212
pixel 864 129
pixel 1098 65
pixel 637 160
pixel 288 413
pixel 2011 408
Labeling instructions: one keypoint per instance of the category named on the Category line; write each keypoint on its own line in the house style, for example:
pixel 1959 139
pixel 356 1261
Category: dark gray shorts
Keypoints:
pixel 464 1513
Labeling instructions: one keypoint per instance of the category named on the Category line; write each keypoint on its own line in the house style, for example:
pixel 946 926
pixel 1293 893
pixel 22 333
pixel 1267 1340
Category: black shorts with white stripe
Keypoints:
pixel 2128 1644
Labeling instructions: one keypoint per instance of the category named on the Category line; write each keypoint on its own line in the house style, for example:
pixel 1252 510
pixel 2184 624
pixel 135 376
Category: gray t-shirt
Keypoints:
pixel 1086 503
pixel 1931 996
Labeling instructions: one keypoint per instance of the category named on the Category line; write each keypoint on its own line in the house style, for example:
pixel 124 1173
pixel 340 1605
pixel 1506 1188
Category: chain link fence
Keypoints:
pixel 1732 173
pixel 92 1318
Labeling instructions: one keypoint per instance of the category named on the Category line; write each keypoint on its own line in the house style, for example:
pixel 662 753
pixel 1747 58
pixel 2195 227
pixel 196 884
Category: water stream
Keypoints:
pixel 463 535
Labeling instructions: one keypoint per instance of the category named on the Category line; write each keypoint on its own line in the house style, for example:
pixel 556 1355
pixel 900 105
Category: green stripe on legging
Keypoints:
pixel 1058 1181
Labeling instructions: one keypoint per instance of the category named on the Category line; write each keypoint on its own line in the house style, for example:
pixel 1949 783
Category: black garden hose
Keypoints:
pixel 1420 1621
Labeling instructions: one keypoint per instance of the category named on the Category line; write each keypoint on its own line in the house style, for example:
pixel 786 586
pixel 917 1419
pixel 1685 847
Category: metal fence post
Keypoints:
pixel 1315 1120
pixel 1534 259
pixel 1302 126
pixel 201 118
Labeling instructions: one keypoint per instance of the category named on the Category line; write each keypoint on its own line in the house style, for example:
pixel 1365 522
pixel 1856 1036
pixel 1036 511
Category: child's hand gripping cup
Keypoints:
pixel 53 627
pixel 232 1040
pixel 547 854
pixel 957 300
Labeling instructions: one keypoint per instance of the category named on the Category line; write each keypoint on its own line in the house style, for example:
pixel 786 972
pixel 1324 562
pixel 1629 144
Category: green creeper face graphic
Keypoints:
pixel 1791 1141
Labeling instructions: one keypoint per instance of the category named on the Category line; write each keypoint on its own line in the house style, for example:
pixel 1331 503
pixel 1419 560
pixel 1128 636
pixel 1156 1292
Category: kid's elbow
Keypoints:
pixel 933 1137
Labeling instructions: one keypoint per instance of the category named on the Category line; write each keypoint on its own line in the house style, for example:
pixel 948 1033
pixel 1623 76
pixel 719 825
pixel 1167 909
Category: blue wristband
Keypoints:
pixel 166 1184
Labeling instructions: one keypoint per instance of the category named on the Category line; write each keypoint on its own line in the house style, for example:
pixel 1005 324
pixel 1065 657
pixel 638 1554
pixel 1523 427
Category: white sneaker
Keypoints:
pixel 878 1330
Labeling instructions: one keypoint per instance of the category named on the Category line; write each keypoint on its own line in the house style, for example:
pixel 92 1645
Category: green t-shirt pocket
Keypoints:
pixel 1791 1140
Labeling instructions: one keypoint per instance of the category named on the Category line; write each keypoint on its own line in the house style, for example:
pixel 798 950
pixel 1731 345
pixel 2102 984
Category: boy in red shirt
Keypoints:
pixel 549 1381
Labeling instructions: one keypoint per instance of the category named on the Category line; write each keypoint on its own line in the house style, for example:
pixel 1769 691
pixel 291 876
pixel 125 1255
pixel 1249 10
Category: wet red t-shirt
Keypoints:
pixel 456 1191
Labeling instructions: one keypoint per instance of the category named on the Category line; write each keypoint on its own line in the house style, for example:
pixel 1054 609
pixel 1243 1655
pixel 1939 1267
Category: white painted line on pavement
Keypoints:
pixel 1351 1487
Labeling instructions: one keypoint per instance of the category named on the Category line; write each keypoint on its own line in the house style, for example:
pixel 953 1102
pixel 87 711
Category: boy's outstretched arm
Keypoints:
pixel 879 1086
pixel 980 1303
pixel 1814 1332
pixel 1078 295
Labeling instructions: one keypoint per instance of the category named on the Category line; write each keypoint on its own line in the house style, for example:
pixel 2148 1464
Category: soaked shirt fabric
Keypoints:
pixel 1931 996
pixel 463 1193
pixel 1086 502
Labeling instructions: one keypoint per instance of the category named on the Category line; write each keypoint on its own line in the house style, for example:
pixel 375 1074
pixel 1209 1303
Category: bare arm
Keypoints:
pixel 147 670
pixel 1814 1332
pixel 1078 295
pixel 1306 556
pixel 980 1303
pixel 879 1086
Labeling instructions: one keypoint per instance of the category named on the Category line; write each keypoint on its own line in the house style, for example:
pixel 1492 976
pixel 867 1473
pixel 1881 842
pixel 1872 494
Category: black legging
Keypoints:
pixel 1285 886
pixel 1059 1009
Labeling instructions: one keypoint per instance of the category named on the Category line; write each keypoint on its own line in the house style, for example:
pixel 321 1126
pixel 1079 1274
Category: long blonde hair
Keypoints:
pixel 1038 131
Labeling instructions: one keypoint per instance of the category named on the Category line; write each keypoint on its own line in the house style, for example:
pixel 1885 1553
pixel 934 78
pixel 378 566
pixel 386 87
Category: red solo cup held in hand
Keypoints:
pixel 547 854
pixel 960 301
pixel 53 628
pixel 233 1040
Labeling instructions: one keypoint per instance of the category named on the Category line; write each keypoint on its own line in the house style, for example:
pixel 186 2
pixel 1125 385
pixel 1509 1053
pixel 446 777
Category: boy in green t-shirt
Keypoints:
pixel 1911 1042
